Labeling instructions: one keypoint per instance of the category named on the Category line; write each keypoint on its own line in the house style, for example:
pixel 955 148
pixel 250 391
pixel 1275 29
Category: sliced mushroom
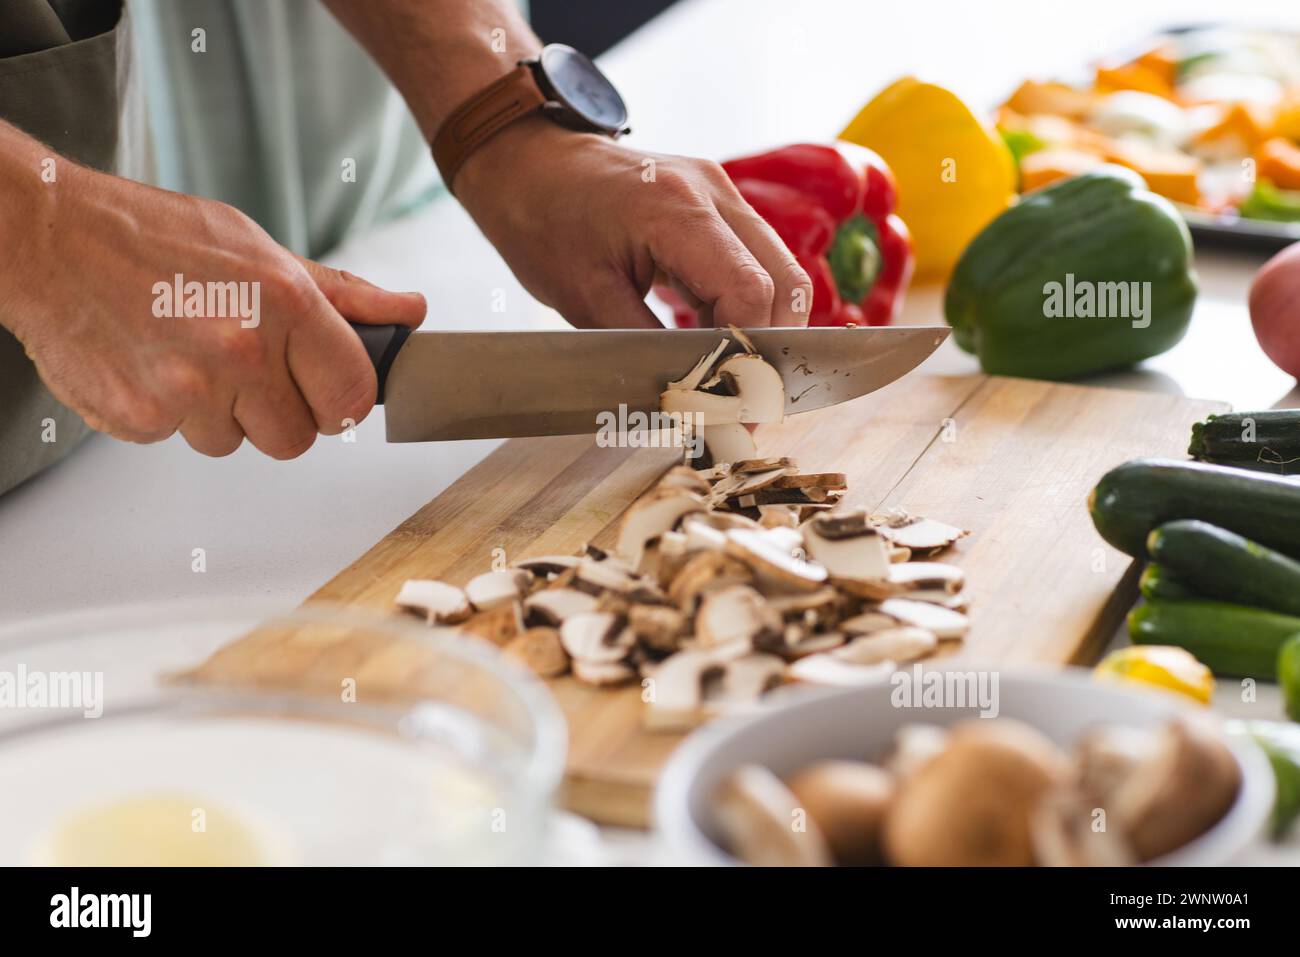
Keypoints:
pixel 683 479
pixel 936 596
pixel 724 521
pixel 772 564
pixel 738 484
pixel 602 673
pixel 869 622
pixel 597 577
pixel 861 557
pixel 736 612
pixel 728 442
pixel 822 600
pixel 704 408
pixel 764 825
pixel 756 386
pixel 848 800
pixel 677 690
pixel 440 603
pixel 763 465
pixel 742 681
pixel 551 606
pixel 659 627
pixel 702 573
pixel 778 516
pixel 597 637
pixel 493 589
pixel 692 379
pixel 899 645
pixel 801 644
pixel 548 565
pixel 498 625
pixel 920 534
pixel 911 575
pixel 649 517
pixel 822 480
pixel 944 622
pixel 899 554
pixel 826 669
pixel 742 337
pixel 540 650
pixel 703 536
pixel 872 589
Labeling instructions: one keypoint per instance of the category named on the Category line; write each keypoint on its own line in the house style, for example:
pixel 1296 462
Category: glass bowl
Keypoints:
pixel 329 737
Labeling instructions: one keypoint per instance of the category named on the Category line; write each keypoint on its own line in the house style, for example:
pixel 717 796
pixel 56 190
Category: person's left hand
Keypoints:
pixel 588 225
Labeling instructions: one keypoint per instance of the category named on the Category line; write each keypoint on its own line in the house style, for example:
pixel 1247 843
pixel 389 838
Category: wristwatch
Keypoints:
pixel 561 83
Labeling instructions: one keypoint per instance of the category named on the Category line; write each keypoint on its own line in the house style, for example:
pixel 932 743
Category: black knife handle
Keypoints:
pixel 382 344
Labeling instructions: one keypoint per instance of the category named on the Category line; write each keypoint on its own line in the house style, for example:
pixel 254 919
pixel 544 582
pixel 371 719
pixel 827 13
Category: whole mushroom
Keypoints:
pixel 972 805
pixel 848 800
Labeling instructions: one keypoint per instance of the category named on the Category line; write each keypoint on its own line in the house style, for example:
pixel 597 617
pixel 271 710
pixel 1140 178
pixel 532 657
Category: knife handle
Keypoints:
pixel 381 344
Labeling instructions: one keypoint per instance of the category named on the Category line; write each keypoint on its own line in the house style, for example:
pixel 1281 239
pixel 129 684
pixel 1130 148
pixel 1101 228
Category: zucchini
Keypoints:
pixel 1159 582
pixel 1221 564
pixel 1133 498
pixel 1288 676
pixel 1267 441
pixel 1228 639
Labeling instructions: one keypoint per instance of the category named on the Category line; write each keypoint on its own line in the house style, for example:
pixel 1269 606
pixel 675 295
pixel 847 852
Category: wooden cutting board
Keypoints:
pixel 1012 460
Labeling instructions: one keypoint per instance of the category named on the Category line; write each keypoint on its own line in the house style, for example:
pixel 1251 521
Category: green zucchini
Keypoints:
pixel 1228 639
pixel 1281 743
pixel 1267 441
pixel 1288 676
pixel 1220 564
pixel 1133 498
pixel 1159 582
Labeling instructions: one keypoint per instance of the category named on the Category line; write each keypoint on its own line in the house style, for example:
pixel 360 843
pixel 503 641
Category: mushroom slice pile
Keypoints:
pixel 725 580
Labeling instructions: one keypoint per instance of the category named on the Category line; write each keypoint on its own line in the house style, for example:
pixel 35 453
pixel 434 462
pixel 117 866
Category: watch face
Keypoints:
pixel 580 86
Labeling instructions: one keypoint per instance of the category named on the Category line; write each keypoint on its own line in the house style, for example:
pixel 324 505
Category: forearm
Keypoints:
pixel 32 178
pixel 438 53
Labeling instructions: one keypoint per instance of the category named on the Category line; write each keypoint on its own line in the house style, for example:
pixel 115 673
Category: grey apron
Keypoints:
pixel 66 80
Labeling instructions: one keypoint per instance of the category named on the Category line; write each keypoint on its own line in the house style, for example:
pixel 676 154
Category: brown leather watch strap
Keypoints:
pixel 482 116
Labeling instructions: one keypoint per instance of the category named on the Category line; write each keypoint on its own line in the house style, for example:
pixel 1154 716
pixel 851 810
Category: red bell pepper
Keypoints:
pixel 833 206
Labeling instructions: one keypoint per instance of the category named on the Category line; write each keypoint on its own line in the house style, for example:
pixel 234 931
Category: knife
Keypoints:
pixel 440 386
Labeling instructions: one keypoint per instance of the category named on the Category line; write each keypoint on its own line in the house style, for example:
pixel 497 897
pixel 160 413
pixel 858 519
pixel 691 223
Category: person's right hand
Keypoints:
pixel 82 300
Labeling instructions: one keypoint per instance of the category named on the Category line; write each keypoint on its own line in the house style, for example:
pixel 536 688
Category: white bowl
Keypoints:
pixel 810 725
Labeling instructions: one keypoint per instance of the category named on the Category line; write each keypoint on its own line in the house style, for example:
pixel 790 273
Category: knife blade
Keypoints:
pixel 441 386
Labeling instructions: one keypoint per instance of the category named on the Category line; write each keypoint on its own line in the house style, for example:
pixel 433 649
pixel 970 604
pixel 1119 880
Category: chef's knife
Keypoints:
pixel 437 386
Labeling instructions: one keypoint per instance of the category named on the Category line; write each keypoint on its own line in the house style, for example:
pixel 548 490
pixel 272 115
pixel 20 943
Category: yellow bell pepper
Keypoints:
pixel 954 174
pixel 1163 666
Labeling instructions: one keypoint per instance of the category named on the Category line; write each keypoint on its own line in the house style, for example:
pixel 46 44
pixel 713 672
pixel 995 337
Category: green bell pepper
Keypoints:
pixel 1090 273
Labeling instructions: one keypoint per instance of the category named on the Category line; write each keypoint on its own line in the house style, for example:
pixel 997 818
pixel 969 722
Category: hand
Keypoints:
pixel 89 305
pixel 587 230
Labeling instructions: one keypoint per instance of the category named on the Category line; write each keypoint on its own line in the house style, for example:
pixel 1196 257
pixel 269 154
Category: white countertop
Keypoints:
pixel 117 523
